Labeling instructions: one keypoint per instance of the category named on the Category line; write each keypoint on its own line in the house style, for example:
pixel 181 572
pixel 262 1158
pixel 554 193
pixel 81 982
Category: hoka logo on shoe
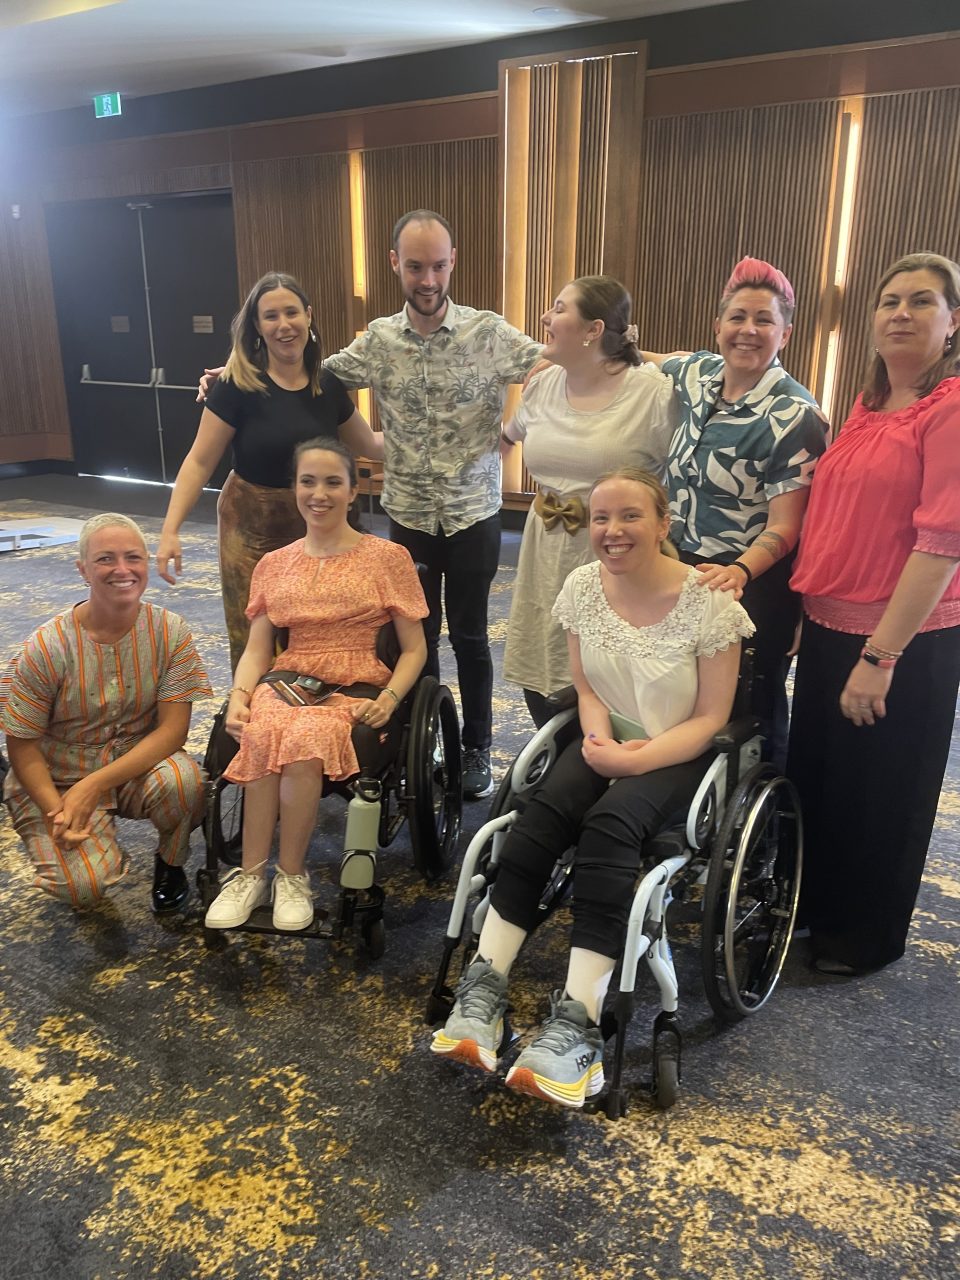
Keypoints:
pixel 585 1059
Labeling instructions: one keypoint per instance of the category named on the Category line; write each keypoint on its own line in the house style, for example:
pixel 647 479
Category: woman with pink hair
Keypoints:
pixel 740 467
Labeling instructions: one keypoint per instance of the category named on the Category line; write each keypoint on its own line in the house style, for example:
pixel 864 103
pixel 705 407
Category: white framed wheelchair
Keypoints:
pixel 740 846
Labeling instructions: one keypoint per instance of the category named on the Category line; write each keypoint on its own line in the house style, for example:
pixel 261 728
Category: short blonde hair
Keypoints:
pixel 107 520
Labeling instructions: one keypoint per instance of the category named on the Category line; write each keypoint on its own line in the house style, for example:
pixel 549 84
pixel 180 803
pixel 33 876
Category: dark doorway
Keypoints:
pixel 145 291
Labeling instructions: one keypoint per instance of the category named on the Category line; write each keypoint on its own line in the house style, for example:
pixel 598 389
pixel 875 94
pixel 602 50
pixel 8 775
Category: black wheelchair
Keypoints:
pixel 738 849
pixel 412 772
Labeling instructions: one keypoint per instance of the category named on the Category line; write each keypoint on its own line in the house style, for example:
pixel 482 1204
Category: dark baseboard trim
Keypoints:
pixel 14 470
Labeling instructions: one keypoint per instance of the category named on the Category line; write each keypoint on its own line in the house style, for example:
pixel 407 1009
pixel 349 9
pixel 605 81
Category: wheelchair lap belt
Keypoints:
pixel 314 691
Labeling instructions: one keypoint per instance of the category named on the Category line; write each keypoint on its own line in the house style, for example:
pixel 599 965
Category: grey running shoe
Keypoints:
pixel 564 1063
pixel 474 1031
pixel 477 778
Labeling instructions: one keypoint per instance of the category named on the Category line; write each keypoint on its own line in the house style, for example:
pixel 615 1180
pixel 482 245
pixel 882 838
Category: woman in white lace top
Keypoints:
pixel 655 656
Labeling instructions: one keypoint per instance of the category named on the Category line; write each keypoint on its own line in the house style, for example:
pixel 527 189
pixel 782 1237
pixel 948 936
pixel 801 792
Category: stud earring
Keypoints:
pixel 587 341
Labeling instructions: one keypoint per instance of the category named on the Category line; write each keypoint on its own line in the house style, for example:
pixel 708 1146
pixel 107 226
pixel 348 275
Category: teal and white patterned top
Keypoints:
pixel 441 403
pixel 727 462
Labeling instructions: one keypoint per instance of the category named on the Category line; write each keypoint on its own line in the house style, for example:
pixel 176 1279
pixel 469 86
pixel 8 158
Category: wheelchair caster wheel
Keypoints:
pixel 374 938
pixel 666 1075
pixel 614 1104
pixel 438 1009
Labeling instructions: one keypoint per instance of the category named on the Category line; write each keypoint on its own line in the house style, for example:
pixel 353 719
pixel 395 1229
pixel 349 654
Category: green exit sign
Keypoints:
pixel 106 104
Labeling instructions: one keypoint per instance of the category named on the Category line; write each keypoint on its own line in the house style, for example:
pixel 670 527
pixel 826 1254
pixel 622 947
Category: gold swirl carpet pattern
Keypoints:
pixel 271 1110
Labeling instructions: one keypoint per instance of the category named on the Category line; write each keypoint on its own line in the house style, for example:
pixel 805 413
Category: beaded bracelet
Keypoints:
pixel 882 653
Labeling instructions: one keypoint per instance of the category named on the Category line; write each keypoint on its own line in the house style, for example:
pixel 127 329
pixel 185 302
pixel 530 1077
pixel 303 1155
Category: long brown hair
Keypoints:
pixel 876 386
pixel 246 366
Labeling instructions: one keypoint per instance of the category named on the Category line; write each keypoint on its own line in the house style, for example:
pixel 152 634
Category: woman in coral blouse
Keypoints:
pixel 332 590
pixel 879 665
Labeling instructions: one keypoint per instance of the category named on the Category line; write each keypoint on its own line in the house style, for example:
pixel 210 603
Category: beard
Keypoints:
pixel 427 306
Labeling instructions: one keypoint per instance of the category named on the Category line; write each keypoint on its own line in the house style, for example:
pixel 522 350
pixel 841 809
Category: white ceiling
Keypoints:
pixel 144 47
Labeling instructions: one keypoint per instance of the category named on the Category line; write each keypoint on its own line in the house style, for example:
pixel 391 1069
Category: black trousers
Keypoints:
pixel 459 568
pixel 869 794
pixel 608 824
pixel 775 611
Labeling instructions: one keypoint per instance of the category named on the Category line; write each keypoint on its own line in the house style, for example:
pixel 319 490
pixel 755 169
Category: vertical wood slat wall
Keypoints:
pixel 594 156
pixel 906 201
pixel 568 168
pixel 459 181
pixel 723 185
pixel 293 215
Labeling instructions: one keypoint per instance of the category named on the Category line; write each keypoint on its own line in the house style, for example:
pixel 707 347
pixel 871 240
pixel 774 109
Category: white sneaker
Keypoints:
pixel 292 901
pixel 242 892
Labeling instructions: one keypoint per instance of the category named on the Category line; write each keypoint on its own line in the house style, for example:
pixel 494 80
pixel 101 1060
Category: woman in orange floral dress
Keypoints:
pixel 333 590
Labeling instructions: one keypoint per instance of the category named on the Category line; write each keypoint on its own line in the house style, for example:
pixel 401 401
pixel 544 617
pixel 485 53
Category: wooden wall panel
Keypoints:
pixel 33 407
pixel 459 181
pixel 906 201
pixel 723 185
pixel 294 215
pixel 594 149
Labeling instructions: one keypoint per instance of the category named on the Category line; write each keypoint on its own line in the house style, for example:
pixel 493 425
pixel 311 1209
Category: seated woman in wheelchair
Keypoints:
pixel 333 590
pixel 655 656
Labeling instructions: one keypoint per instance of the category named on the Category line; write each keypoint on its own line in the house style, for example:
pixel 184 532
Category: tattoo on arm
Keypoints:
pixel 773 544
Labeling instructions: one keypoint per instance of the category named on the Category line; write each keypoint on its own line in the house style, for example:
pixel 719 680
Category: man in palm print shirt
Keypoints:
pixel 440 373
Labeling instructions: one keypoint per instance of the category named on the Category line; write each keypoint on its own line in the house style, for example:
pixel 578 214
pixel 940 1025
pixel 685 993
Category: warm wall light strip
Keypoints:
pixel 355 159
pixel 855 109
pixel 356 225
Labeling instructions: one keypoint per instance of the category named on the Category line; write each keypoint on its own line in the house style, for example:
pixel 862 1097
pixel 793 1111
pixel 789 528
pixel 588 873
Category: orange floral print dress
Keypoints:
pixel 333 608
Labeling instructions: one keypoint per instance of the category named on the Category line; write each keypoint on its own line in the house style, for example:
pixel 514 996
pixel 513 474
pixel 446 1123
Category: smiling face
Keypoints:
pixel 284 325
pixel 423 261
pixel 323 489
pixel 913 319
pixel 115 567
pixel 566 328
pixel 626 531
pixel 750 333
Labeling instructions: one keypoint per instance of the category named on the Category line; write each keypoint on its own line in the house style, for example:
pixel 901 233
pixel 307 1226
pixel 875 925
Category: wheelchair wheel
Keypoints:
pixel 223 827
pixel 434 797
pixel 223 822
pixel 753 885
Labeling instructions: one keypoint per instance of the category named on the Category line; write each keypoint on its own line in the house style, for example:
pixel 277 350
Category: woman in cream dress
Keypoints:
pixel 597 407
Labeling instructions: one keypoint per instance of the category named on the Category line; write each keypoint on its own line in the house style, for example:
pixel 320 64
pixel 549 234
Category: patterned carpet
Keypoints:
pixel 271 1110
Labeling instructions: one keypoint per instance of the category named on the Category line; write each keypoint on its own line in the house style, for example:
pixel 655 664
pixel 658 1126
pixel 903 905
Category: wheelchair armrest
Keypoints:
pixel 736 733
pixel 562 700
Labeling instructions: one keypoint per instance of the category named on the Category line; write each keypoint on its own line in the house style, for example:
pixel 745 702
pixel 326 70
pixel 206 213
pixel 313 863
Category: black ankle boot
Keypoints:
pixel 170 887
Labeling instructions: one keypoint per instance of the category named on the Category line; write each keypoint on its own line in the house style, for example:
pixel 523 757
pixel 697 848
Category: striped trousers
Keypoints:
pixel 170 796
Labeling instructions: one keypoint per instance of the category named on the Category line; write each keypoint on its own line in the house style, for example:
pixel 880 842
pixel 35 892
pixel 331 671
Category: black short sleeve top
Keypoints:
pixel 270 424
